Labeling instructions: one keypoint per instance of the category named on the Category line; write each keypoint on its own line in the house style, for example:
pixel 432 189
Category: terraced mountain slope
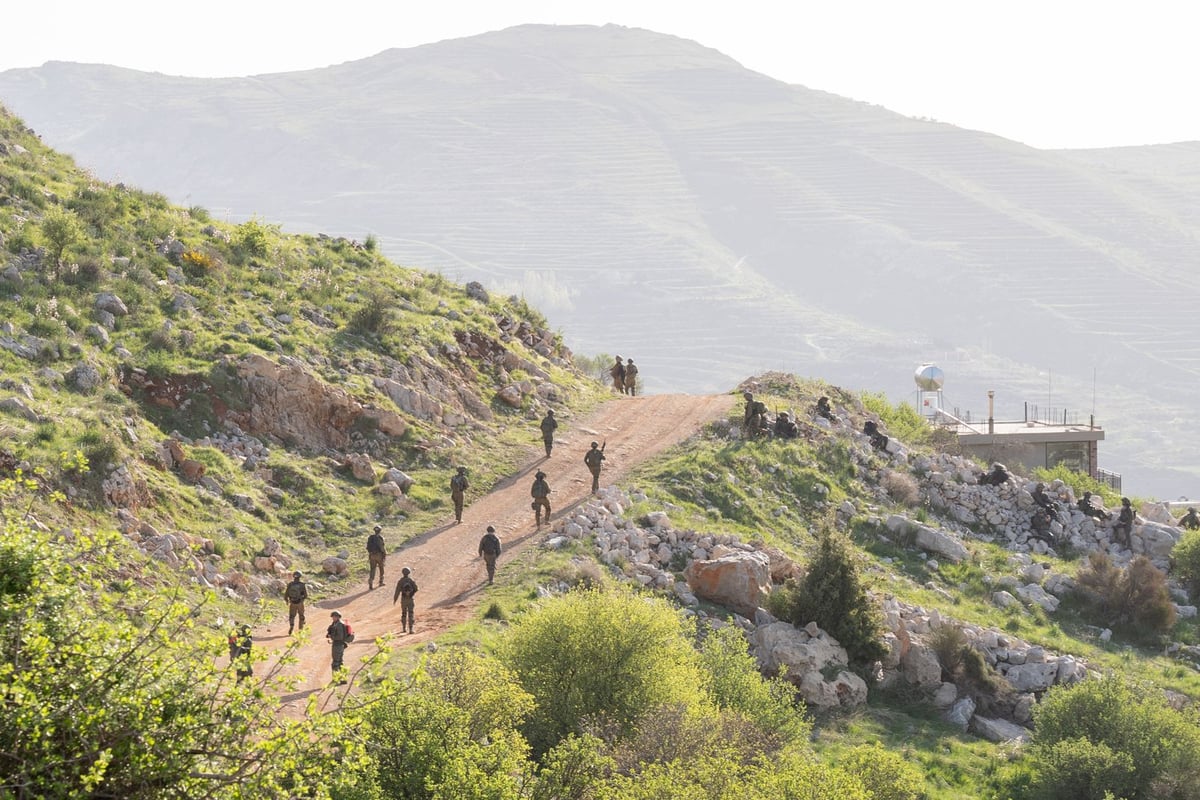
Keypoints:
pixel 657 199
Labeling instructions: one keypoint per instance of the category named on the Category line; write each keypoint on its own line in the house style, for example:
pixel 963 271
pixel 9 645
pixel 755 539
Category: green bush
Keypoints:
pixel 1185 560
pixel 831 593
pixel 1106 735
pixel 886 775
pixel 603 658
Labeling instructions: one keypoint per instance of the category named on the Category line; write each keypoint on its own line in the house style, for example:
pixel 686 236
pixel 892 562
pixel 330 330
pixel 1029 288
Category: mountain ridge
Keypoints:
pixel 660 188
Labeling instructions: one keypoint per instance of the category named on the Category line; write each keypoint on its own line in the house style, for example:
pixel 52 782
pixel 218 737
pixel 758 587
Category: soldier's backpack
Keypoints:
pixel 349 632
pixel 295 592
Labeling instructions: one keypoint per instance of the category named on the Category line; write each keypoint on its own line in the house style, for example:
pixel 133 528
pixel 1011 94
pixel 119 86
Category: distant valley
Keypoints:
pixel 657 200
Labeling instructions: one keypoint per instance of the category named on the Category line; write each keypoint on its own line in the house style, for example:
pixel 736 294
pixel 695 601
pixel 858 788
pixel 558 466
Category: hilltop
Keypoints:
pixel 633 184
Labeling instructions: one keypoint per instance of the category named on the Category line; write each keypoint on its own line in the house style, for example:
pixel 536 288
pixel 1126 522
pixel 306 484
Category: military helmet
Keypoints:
pixel 491 529
pixel 296 575
pixel 406 570
pixel 462 469
pixel 1191 510
pixel 1124 501
pixel 378 529
pixel 595 444
pixel 337 614
pixel 540 474
pixel 748 395
pixel 549 412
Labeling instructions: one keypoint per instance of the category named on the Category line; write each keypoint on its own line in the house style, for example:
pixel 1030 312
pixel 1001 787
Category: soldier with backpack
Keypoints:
pixel 377 555
pixel 458 488
pixel 489 550
pixel 406 587
pixel 617 371
pixel 540 492
pixel 549 426
pixel 630 379
pixel 594 458
pixel 240 643
pixel 339 634
pixel 295 594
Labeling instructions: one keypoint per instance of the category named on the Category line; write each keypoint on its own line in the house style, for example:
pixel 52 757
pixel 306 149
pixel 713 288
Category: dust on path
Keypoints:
pixel 444 560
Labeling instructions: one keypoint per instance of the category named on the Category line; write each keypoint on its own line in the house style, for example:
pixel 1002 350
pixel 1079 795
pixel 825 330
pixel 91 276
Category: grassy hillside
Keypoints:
pixel 195 299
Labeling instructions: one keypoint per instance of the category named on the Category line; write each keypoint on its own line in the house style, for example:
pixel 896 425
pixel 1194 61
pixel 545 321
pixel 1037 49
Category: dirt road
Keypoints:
pixel 444 560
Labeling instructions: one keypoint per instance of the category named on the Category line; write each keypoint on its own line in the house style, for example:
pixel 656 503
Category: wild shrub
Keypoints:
pixel 600 657
pixel 373 316
pixel 832 594
pixel 948 642
pixel 251 239
pixel 901 487
pixel 1186 562
pixel 197 263
pixel 1135 598
pixel 883 773
pixel 1107 735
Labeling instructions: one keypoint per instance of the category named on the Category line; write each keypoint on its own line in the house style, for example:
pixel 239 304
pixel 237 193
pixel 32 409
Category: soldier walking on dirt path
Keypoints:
pixel 489 550
pixel 337 635
pixel 617 371
pixel 458 488
pixel 593 458
pixel 377 555
pixel 240 644
pixel 295 594
pixel 549 426
pixel 406 587
pixel 540 492
pixel 630 380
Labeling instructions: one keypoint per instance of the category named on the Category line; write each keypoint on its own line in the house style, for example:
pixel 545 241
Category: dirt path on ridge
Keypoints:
pixel 451 576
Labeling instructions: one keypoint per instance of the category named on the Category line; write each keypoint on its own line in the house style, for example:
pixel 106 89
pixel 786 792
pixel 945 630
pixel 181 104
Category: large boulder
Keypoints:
pixel 927 538
pixel 998 730
pixel 739 580
pixel 806 660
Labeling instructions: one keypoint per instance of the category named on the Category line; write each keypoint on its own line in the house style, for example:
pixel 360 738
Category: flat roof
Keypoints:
pixel 1023 431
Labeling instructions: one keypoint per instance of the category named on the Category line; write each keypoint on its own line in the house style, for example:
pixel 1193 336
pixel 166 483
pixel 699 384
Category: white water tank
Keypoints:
pixel 929 378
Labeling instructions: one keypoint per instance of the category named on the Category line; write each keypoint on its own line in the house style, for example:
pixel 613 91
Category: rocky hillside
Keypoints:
pixel 235 400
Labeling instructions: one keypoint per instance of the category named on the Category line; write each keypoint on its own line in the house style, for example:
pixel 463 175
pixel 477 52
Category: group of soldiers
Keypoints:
pixel 756 420
pixel 624 376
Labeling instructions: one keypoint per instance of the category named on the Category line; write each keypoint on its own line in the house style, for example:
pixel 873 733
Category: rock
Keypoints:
pixel 192 470
pixel 1004 599
pixel 97 334
pixel 945 695
pixel 476 291
pixel 740 580
pixel 511 396
pixel 845 690
pixel 961 712
pixel 390 489
pixel 399 478
pixel 335 566
pixel 998 730
pixel 1036 595
pixel 920 666
pixel 1032 677
pixel 107 301
pixel 361 467
pixel 17 406
pixel 84 378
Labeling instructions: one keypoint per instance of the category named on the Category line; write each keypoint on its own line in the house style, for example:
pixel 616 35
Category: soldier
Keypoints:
pixel 377 555
pixel 754 418
pixel 1043 500
pixel 240 643
pixel 458 486
pixel 1190 520
pixel 593 458
pixel 785 428
pixel 336 633
pixel 630 379
pixel 878 439
pixel 1123 527
pixel 489 550
pixel 406 587
pixel 824 409
pixel 549 426
pixel 617 371
pixel 541 497
pixel 295 594
pixel 1085 505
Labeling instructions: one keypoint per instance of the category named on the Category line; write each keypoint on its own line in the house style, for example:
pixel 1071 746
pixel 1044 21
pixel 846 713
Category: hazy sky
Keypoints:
pixel 1050 73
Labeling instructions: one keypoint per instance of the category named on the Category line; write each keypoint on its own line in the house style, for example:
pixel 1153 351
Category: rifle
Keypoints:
pixel 604 445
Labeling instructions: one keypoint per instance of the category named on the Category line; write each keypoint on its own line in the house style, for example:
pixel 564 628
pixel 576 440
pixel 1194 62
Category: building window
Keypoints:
pixel 1072 455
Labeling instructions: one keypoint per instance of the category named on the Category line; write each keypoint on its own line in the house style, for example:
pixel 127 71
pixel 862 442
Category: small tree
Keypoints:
pixel 1136 597
pixel 831 593
pixel 60 229
pixel 1186 560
